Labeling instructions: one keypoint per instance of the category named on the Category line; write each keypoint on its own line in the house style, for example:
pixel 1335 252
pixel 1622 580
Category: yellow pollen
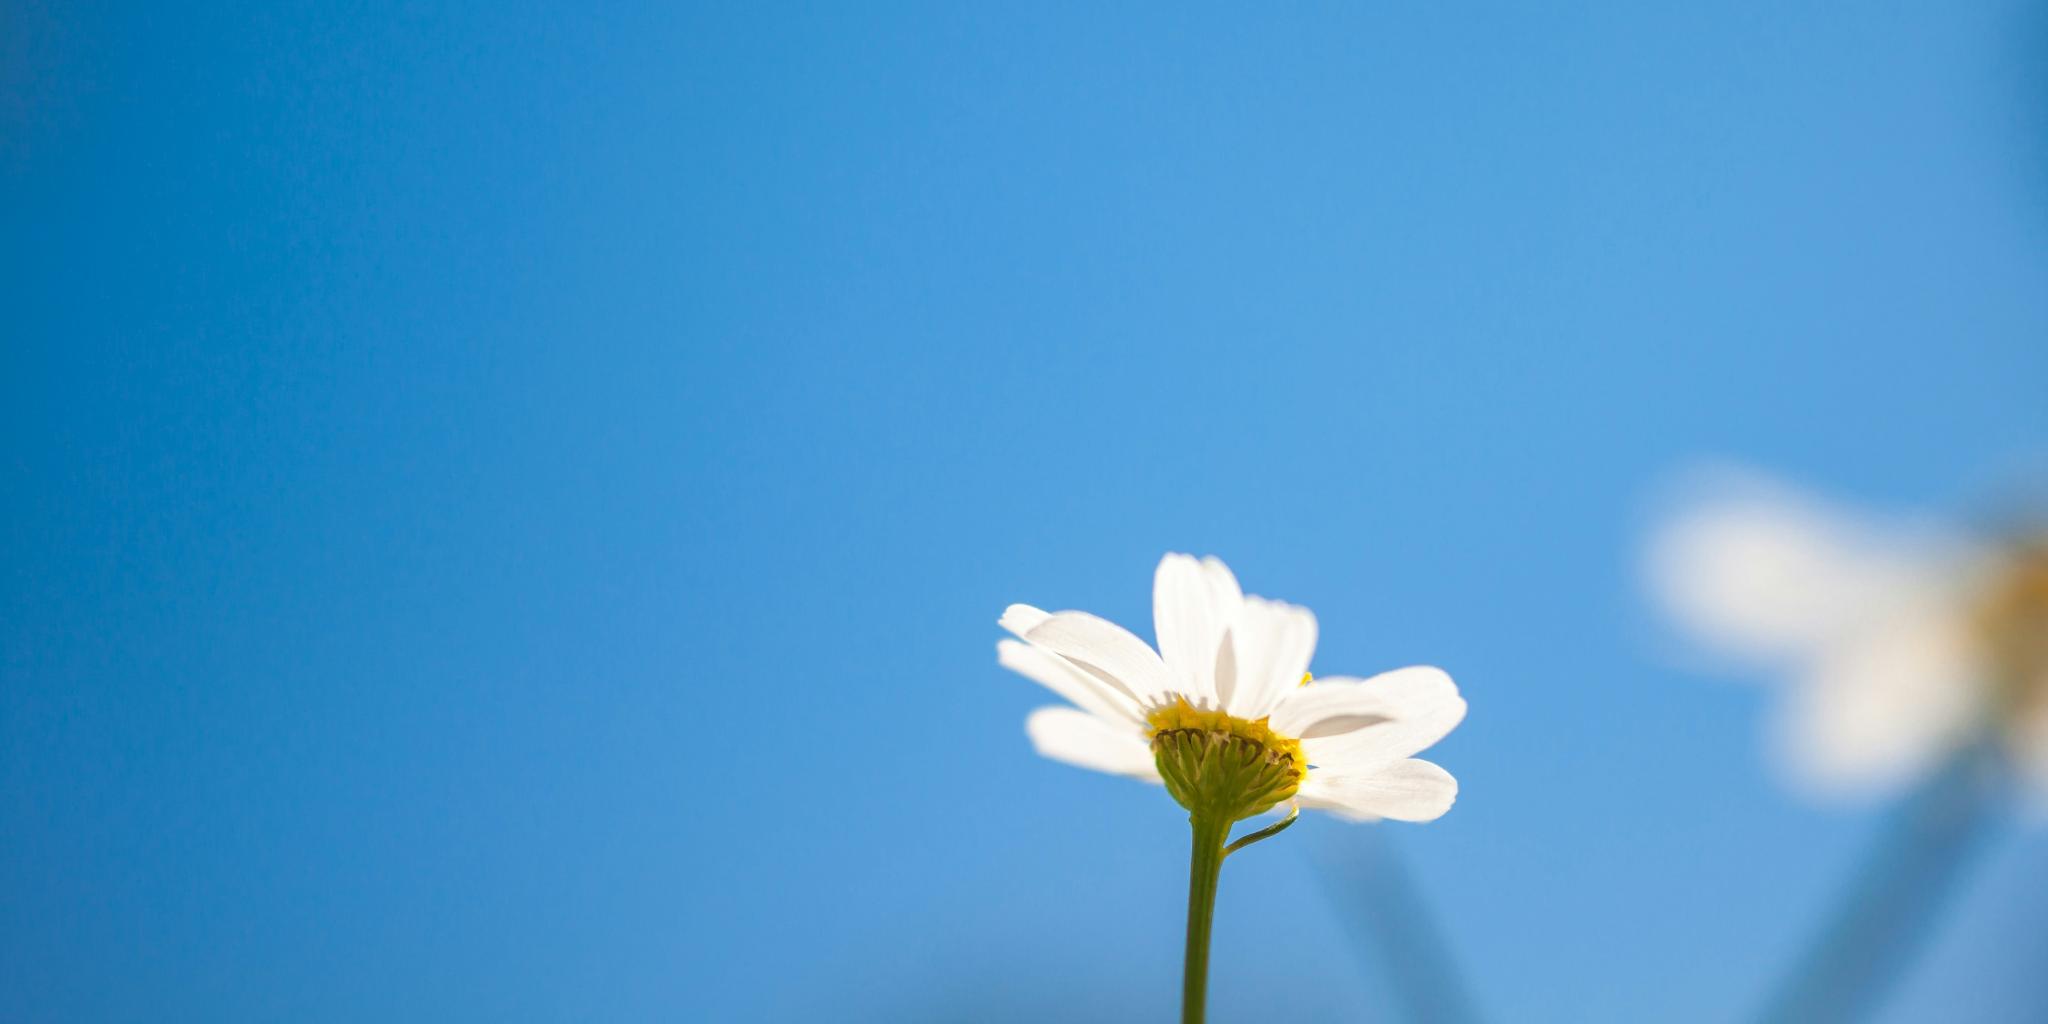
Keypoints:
pixel 1182 715
pixel 1307 678
pixel 2012 621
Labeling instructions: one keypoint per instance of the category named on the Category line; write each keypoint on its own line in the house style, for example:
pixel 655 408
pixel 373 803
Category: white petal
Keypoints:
pixel 1405 791
pixel 1193 603
pixel 1338 704
pixel 1060 676
pixel 1429 708
pixel 1020 619
pixel 1104 648
pixel 1886 704
pixel 1271 644
pixel 1763 571
pixel 1079 738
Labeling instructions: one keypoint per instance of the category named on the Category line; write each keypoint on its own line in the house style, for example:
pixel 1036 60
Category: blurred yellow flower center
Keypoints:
pixel 2013 620
pixel 1217 764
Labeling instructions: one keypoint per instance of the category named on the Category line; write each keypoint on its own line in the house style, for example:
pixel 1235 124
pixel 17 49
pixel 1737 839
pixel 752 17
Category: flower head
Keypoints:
pixel 1903 643
pixel 1224 713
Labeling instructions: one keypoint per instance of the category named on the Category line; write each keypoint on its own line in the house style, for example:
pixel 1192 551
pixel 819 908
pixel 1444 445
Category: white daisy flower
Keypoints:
pixel 1903 643
pixel 1224 713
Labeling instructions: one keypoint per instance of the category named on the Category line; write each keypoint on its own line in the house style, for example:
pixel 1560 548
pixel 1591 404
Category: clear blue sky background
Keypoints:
pixel 507 507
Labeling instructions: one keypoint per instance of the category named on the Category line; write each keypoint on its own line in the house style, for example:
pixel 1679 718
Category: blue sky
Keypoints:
pixel 510 504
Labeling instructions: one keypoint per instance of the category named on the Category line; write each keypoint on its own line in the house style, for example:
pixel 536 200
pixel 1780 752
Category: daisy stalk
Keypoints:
pixel 1221 779
pixel 1394 929
pixel 1205 869
pixel 1893 905
pixel 1225 716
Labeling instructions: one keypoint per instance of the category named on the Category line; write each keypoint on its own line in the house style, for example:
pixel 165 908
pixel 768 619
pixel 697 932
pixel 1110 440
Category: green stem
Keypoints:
pixel 1293 814
pixel 1894 905
pixel 1205 866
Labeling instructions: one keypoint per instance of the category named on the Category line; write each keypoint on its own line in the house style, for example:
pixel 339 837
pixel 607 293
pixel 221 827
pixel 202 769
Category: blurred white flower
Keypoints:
pixel 1224 712
pixel 1902 643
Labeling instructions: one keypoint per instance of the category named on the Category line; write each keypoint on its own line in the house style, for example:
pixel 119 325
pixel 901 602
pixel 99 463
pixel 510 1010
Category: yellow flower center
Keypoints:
pixel 1218 765
pixel 2013 622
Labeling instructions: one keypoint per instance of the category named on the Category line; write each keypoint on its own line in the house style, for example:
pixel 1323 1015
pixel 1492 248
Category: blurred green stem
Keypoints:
pixel 1393 927
pixel 1205 866
pixel 1892 906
